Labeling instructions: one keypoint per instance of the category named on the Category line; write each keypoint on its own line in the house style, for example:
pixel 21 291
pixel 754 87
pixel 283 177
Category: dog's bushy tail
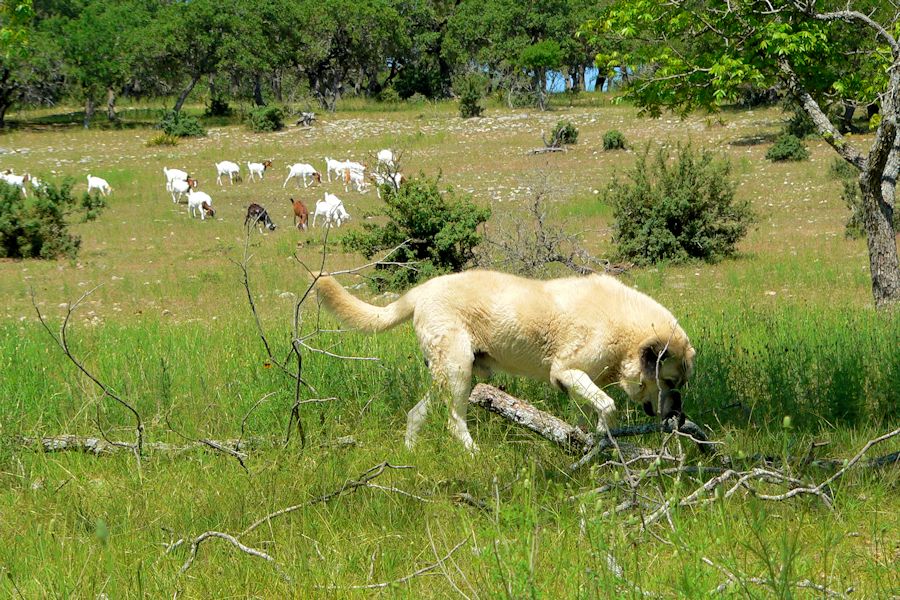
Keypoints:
pixel 362 315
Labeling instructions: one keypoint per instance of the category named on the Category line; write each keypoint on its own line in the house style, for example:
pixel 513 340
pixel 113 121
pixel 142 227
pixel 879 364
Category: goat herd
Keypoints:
pixel 180 184
pixel 353 175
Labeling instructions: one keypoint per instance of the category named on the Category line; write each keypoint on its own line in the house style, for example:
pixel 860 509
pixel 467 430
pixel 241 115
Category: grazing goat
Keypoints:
pixel 385 157
pixel 200 202
pixel 337 166
pixel 396 180
pixel 332 209
pixel 257 215
pixel 356 179
pixel 98 183
pixel 173 175
pixel 226 167
pixel 180 188
pixel 258 168
pixel 18 181
pixel 303 170
pixel 301 214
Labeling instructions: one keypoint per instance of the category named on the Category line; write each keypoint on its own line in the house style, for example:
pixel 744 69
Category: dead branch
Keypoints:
pixel 62 341
pixel 101 447
pixel 572 439
pixel 349 487
pixel 195 546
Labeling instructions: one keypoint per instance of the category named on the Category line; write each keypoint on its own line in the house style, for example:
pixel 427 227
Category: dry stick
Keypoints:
pixel 63 343
pixel 195 546
pixel 349 486
pixel 101 447
pixel 218 446
pixel 405 578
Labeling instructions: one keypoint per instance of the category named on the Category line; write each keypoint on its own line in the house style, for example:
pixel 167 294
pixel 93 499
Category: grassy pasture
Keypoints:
pixel 786 329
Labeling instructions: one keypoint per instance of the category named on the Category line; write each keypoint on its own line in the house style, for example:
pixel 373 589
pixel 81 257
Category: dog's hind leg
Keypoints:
pixel 415 418
pixel 459 359
pixel 578 384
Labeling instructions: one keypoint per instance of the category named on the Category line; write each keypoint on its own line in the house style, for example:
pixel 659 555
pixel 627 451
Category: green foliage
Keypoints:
pixel 841 169
pixel 613 140
pixel 440 227
pixel 542 55
pixel 178 124
pixel 470 90
pixel 218 107
pixel 38 226
pixel 389 95
pixel 163 139
pixel 565 132
pixel 677 210
pixel 800 124
pixel 267 118
pixel 854 228
pixel 787 147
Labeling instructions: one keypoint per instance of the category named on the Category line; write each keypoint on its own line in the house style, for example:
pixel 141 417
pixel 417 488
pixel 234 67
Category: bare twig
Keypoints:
pixel 195 546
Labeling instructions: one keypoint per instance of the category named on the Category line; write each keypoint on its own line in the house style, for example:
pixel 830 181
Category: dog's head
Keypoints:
pixel 656 374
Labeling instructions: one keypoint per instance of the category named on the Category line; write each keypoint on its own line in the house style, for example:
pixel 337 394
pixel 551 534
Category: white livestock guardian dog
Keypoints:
pixel 578 333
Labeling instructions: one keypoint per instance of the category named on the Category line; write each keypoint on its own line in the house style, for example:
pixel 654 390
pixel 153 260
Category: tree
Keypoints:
pixel 101 48
pixel 703 54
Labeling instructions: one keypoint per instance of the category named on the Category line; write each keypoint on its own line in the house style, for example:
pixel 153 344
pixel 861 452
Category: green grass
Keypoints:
pixel 786 329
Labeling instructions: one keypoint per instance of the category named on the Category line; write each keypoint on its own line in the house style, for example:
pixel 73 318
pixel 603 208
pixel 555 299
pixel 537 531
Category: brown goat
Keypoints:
pixel 301 214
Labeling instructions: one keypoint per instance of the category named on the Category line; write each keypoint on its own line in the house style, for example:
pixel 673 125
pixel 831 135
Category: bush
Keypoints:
pixel 389 96
pixel 179 124
pixel 218 107
pixel 417 98
pixel 800 124
pixel 677 210
pixel 37 226
pixel 787 147
pixel 852 197
pixel 267 118
pixel 470 90
pixel 565 133
pixel 613 140
pixel 442 227
pixel 841 169
pixel 163 139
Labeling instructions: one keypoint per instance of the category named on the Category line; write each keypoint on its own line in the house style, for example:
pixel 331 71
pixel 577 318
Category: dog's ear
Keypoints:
pixel 650 357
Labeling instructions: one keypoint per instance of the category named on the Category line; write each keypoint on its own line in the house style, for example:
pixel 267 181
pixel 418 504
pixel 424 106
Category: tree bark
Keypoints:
pixel 185 93
pixel 88 111
pixel 111 105
pixel 257 91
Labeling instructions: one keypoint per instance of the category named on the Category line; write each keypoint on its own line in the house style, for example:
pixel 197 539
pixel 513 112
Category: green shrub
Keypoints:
pixel 163 139
pixel 267 118
pixel 565 132
pixel 613 140
pixel 841 169
pixel 470 90
pixel 787 147
pixel 389 96
pixel 417 98
pixel 677 210
pixel 442 228
pixel 218 107
pixel 179 124
pixel 852 197
pixel 37 226
pixel 800 124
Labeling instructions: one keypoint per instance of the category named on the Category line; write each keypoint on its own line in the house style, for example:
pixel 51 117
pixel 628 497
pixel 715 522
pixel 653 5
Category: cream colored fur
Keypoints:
pixel 579 333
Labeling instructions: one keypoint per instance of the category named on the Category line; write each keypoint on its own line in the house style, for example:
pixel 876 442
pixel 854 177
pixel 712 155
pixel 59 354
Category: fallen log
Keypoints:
pixel 572 439
pixel 99 446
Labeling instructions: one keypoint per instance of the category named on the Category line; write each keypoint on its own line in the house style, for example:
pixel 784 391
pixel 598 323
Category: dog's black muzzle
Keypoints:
pixel 671 407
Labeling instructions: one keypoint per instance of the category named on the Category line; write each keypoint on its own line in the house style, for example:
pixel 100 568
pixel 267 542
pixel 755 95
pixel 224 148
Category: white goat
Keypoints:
pixel 356 179
pixel 396 180
pixel 303 170
pixel 332 209
pixel 226 167
pixel 201 202
pixel 179 188
pixel 173 175
pixel 258 168
pixel 99 184
pixel 18 181
pixel 337 166
pixel 385 157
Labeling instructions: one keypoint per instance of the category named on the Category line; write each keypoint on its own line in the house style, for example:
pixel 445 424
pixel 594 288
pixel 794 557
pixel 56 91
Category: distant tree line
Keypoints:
pixel 259 51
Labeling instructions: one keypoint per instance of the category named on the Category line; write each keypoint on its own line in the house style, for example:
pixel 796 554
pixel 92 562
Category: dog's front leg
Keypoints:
pixel 578 384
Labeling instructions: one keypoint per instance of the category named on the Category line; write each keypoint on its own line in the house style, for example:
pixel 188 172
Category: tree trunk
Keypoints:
pixel 847 117
pixel 598 85
pixel 7 93
pixel 88 111
pixel 878 220
pixel 257 91
pixel 185 93
pixel 3 108
pixel 111 105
